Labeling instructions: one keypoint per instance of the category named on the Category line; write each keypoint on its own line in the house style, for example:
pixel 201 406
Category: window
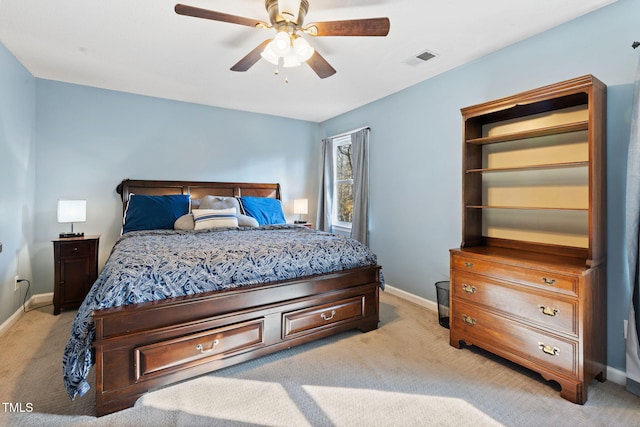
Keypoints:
pixel 343 183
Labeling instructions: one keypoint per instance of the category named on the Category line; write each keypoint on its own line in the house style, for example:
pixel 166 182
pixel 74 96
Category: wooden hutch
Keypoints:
pixel 529 280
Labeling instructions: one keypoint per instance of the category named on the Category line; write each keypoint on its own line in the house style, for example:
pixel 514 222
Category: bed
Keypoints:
pixel 174 304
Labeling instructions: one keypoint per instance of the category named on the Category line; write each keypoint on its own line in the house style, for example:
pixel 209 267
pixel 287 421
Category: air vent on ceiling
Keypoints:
pixel 420 58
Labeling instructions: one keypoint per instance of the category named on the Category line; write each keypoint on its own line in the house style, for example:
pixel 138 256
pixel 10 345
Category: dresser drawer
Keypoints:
pixel 537 307
pixel 168 356
pixel 506 337
pixel 75 249
pixel 527 276
pixel 322 316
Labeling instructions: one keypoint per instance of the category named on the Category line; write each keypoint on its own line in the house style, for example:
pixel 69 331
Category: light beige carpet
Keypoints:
pixel 403 374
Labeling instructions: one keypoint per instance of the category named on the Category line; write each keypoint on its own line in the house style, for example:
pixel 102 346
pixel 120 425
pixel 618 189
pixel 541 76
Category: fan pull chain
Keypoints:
pixel 277 72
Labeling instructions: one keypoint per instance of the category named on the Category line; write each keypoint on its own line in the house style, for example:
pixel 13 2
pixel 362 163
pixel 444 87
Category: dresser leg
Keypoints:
pixel 454 341
pixel 576 393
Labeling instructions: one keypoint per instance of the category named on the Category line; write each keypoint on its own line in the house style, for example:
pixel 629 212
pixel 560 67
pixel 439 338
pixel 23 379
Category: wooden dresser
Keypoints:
pixel 529 280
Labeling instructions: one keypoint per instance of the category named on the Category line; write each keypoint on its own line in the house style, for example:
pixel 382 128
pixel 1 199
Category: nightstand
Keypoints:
pixel 76 268
pixel 305 224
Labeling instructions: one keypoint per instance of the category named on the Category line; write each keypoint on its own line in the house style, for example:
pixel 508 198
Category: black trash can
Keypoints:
pixel 442 293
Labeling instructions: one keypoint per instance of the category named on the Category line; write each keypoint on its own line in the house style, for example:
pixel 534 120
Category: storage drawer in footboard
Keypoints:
pixel 172 355
pixel 323 316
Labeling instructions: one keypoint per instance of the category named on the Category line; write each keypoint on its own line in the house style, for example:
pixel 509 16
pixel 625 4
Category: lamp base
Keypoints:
pixel 298 221
pixel 68 235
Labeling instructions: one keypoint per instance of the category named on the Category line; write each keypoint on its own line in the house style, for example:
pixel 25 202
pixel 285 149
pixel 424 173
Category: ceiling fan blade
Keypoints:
pixel 320 65
pixel 196 12
pixel 353 27
pixel 251 58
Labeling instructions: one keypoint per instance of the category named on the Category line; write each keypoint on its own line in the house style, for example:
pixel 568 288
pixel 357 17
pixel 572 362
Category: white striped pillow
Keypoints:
pixel 214 218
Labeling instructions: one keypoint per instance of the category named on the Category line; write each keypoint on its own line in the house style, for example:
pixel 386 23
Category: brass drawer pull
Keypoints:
pixel 468 264
pixel 547 281
pixel 470 289
pixel 552 312
pixel 468 320
pixel 550 350
pixel 324 316
pixel 201 349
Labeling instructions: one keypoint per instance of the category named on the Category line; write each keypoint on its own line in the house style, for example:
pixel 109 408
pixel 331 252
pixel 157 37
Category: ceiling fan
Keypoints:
pixel 288 48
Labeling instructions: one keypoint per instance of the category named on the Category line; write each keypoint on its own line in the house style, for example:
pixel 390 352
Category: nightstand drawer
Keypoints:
pixel 536 307
pixel 527 276
pixel 75 249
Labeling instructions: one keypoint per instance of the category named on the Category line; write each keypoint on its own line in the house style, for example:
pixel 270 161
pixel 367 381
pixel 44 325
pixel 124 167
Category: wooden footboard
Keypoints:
pixel 143 346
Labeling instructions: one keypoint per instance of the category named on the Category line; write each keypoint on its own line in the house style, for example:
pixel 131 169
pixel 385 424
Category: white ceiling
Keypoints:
pixel 144 47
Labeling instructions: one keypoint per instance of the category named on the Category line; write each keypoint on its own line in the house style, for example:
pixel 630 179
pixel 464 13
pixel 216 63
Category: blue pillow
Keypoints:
pixel 154 212
pixel 264 209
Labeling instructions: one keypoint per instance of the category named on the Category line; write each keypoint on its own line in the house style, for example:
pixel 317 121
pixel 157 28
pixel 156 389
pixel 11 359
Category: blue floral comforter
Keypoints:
pixel 153 265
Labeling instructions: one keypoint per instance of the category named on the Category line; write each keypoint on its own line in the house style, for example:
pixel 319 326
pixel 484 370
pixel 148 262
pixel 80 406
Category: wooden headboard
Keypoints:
pixel 197 189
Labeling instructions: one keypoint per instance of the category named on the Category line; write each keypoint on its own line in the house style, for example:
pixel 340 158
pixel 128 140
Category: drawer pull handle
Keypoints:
pixel 470 289
pixel 552 312
pixel 468 264
pixel 201 349
pixel 468 320
pixel 548 281
pixel 550 350
pixel 324 316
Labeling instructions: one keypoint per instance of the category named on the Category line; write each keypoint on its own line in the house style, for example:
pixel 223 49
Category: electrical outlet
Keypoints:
pixel 16 284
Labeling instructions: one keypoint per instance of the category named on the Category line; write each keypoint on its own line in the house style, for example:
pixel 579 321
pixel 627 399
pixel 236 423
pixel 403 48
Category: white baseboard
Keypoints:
pixel 34 302
pixel 423 302
pixel 614 375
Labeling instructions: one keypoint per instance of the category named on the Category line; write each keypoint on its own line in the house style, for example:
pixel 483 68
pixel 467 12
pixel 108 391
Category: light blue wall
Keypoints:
pixel 416 148
pixel 90 139
pixel 17 175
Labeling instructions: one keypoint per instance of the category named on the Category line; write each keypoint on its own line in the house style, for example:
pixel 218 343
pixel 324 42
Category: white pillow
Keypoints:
pixel 185 222
pixel 215 218
pixel 219 202
pixel 247 221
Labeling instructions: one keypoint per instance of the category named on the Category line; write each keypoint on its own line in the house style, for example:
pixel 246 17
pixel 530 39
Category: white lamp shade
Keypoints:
pixel 303 49
pixel 290 60
pixel 72 211
pixel 301 206
pixel 281 43
pixel 269 54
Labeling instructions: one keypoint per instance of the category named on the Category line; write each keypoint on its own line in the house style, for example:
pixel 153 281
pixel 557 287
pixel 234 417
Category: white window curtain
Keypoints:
pixel 632 243
pixel 360 167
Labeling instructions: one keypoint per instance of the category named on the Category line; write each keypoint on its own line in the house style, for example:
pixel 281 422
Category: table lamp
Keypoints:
pixel 300 207
pixel 70 211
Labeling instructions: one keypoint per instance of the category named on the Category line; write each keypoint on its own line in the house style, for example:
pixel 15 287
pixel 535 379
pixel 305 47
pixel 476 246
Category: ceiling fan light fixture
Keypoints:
pixel 269 54
pixel 302 49
pixel 291 60
pixel 281 43
pixel 287 18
